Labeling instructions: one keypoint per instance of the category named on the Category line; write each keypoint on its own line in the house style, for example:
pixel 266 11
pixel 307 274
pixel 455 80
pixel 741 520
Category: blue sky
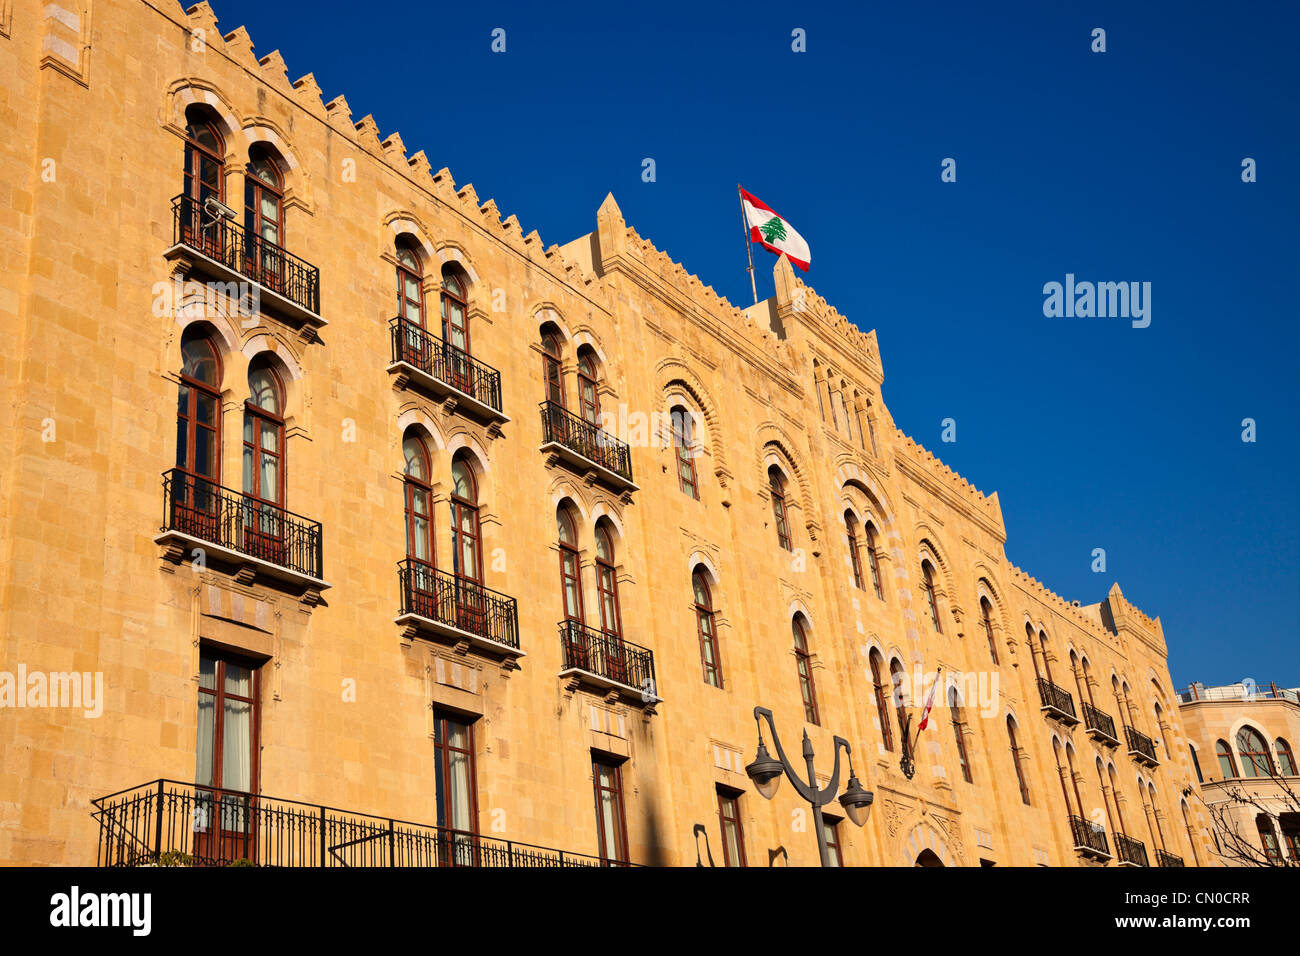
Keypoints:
pixel 1115 166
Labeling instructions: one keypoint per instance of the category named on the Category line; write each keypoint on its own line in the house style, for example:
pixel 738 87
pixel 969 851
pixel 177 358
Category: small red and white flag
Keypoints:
pixel 774 232
pixel 929 703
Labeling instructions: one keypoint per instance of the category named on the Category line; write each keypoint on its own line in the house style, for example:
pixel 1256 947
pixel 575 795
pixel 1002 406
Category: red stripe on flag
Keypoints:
pixel 756 236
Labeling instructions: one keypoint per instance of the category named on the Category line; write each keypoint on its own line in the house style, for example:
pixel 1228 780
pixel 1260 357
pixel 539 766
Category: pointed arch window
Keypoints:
pixel 683 448
pixel 707 627
pixel 986 616
pixel 1227 765
pixel 1255 758
pixel 776 483
pixel 1017 758
pixel 878 690
pixel 1285 758
pixel 959 733
pixel 803 662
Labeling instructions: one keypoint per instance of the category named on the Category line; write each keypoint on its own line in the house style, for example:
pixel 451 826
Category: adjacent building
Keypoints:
pixel 396 535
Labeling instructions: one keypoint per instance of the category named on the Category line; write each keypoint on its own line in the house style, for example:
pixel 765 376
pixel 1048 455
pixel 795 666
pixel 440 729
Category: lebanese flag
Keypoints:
pixel 773 232
pixel 929 704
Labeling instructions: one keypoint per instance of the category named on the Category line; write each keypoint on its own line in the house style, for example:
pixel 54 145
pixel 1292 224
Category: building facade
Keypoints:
pixel 1241 739
pixel 356 495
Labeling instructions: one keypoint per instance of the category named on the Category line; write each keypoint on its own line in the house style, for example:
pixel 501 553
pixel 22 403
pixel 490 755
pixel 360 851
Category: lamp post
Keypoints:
pixel 766 773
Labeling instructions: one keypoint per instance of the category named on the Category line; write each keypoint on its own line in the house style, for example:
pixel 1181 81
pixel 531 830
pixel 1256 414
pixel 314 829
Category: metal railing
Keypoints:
pixel 170 823
pixel 1165 858
pixel 1056 697
pixel 440 359
pixel 210 512
pixel 1099 721
pixel 1240 691
pixel 1139 743
pixel 584 438
pixel 608 655
pixel 456 602
pixel 1130 850
pixel 262 261
pixel 1089 836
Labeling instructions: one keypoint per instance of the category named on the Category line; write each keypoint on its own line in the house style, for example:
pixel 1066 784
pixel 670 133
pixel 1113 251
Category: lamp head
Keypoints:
pixel 856 801
pixel 766 772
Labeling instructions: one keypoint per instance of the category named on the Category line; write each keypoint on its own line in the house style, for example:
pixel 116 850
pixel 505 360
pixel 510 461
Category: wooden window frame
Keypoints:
pixel 834 845
pixel 219 696
pixel 873 560
pixel 588 407
pixel 570 567
pixel 1260 761
pixel 900 704
pixel 1016 759
pixel 553 368
pixel 411 486
pixel 729 800
pixel 443 750
pixel 1223 751
pixel 404 273
pixel 855 559
pixel 190 415
pixel 986 614
pixel 1283 748
pixel 931 599
pixel 461 507
pixel 776 485
pixel 706 627
pixel 446 296
pixel 959 733
pixel 803 663
pixel 620 833
pixel 195 155
pixel 687 480
pixel 882 706
pixel 258 415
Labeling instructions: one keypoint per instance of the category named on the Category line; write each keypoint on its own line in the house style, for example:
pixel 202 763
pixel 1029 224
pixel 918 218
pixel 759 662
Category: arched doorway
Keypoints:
pixel 928 858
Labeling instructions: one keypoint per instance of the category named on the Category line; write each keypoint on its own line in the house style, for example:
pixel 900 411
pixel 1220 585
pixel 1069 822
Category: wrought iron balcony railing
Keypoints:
pixel 1099 724
pixel 585 439
pixel 1057 701
pixel 1089 837
pixel 1165 858
pixel 170 823
pixel 457 603
pixel 1141 746
pixel 1130 851
pixel 241 523
pixel 443 361
pixel 228 243
pixel 609 656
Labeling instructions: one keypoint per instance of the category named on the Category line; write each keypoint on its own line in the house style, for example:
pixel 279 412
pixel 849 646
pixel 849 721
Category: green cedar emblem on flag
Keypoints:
pixel 773 230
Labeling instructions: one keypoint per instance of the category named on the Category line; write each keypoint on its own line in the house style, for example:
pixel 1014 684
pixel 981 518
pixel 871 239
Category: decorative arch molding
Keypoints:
pixel 582 335
pixel 544 312
pixel 403 222
pixel 603 509
pixel 463 440
pixel 563 488
pixel 673 374
pixel 188 91
pixel 796 609
pixel 698 558
pixel 272 343
pixel 924 837
pixel 415 417
pixel 448 250
pixel 184 316
pixel 775 446
pixel 928 541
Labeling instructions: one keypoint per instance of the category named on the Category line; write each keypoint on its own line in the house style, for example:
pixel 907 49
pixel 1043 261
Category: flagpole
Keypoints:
pixel 932 689
pixel 749 246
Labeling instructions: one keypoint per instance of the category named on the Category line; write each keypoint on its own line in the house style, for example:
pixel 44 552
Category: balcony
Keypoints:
pixel 1164 858
pixel 609 663
pixel 445 607
pixel 1100 727
pixel 169 823
pixel 253 537
pixel 223 250
pixel 1057 702
pixel 1131 852
pixel 445 372
pixel 1141 747
pixel 1089 838
pixel 586 448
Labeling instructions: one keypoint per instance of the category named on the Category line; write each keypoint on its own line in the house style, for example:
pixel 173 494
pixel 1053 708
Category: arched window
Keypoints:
pixel 1268 838
pixel 551 357
pixel 466 559
pixel 588 399
pixel 803 660
pixel 1196 765
pixel 264 217
pixel 817 388
pixel 264 435
pixel 959 733
pixel 873 562
pixel 1017 759
pixel 684 450
pixel 205 178
pixel 705 624
pixel 1285 759
pixel 570 564
pixel 455 306
pixel 1047 664
pixel 1227 766
pixel 198 410
pixel 1255 759
pixel 857 411
pixel 931 601
pixel 898 678
pixel 419 501
pixel 410 283
pixel 264 464
pixel 1191 833
pixel 1119 703
pixel 986 616
pixel 851 525
pixel 777 485
pixel 1153 817
pixel 607 582
pixel 882 709
pixel 1290 823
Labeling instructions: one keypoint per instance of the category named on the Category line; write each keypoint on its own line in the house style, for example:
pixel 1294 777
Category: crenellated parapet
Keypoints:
pixel 987 506
pixel 798 302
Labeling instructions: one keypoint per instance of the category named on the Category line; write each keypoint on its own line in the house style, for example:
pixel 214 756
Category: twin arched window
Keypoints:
pixel 707 628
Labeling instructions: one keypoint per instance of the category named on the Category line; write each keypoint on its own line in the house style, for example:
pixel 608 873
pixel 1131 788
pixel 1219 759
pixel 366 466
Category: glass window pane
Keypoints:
pixel 206 738
pixel 237 746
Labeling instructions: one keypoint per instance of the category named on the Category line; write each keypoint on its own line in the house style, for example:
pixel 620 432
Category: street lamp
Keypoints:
pixel 766 773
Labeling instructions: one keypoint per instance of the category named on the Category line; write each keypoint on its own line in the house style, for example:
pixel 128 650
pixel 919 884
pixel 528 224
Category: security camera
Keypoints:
pixel 217 209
